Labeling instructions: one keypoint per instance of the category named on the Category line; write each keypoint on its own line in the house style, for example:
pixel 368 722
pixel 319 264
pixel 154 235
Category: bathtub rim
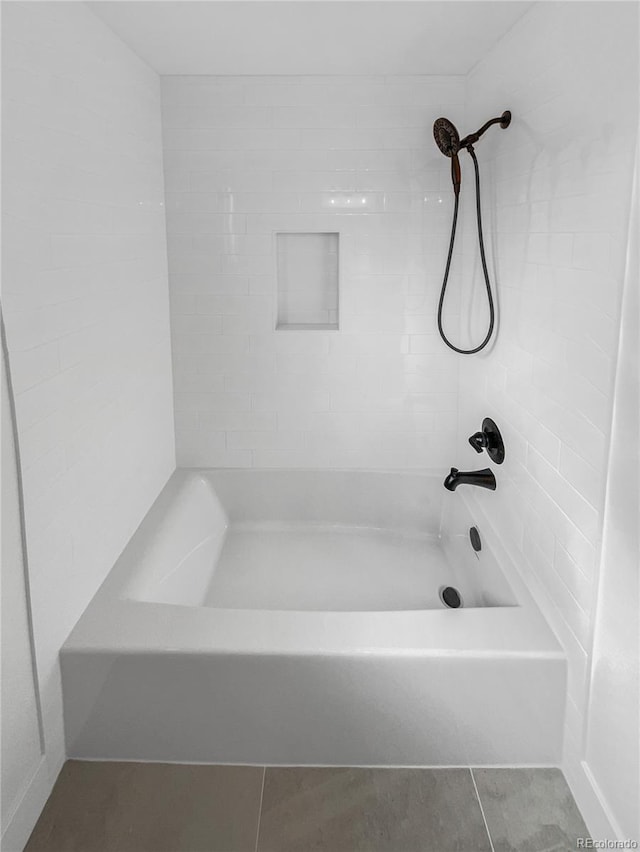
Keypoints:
pixel 112 623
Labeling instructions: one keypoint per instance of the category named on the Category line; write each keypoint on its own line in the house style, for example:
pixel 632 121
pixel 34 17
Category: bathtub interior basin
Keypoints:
pixel 302 540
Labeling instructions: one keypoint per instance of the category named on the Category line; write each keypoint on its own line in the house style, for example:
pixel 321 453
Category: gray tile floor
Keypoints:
pixel 153 807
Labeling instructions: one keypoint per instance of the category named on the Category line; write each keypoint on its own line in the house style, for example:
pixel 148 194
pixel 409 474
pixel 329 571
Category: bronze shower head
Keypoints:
pixel 446 136
pixel 448 140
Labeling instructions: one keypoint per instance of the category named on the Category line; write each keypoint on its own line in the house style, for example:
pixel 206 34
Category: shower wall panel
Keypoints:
pixel 85 299
pixel 557 188
pixel 246 158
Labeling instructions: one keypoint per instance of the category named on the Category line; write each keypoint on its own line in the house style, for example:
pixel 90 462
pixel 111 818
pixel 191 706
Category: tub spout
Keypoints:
pixel 483 478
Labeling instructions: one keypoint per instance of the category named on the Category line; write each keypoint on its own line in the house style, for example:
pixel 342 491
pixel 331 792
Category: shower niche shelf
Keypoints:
pixel 307 272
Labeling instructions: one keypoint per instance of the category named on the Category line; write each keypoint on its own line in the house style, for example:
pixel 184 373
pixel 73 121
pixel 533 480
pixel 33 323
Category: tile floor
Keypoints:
pixel 152 807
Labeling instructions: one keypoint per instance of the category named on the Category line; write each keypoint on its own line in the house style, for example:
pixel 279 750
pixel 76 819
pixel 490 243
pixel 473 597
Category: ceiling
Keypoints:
pixel 310 37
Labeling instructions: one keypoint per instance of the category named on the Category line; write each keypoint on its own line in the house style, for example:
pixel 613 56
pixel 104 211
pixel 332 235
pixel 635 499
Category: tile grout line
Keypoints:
pixel 264 772
pixel 484 819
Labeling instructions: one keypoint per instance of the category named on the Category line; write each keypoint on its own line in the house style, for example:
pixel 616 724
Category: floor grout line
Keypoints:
pixel 484 819
pixel 264 772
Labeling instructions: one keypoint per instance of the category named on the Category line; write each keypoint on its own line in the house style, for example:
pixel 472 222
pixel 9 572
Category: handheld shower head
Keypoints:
pixel 448 141
pixel 446 136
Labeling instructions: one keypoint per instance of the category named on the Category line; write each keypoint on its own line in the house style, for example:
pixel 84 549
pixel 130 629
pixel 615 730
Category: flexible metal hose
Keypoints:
pixel 484 268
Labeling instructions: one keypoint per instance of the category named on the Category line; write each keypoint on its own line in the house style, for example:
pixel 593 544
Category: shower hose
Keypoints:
pixel 484 268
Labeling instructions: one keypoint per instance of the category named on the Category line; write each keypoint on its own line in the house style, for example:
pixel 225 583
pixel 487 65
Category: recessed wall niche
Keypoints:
pixel 307 281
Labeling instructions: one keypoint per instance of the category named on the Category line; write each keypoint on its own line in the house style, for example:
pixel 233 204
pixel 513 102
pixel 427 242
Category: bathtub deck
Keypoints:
pixel 329 570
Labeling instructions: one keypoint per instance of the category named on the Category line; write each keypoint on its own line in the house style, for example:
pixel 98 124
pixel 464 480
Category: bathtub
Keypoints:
pixel 296 617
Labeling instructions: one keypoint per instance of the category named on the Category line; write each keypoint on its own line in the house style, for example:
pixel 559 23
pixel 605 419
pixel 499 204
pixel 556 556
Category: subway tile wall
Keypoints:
pixel 557 189
pixel 246 158
pixel 86 306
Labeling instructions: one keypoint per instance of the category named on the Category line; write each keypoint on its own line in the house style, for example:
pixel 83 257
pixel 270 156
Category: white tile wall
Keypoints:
pixel 85 298
pixel 557 190
pixel 246 158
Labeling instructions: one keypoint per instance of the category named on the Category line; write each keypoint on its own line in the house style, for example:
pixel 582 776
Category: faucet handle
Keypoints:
pixel 478 441
pixel 489 439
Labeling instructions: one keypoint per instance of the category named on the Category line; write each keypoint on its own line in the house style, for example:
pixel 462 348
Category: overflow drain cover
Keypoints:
pixel 474 536
pixel 450 597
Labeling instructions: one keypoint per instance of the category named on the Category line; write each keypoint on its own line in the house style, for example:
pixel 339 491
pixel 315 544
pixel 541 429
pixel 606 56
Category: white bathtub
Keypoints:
pixel 294 617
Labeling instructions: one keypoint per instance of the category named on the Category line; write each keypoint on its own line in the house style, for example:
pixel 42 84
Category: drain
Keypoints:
pixel 450 597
